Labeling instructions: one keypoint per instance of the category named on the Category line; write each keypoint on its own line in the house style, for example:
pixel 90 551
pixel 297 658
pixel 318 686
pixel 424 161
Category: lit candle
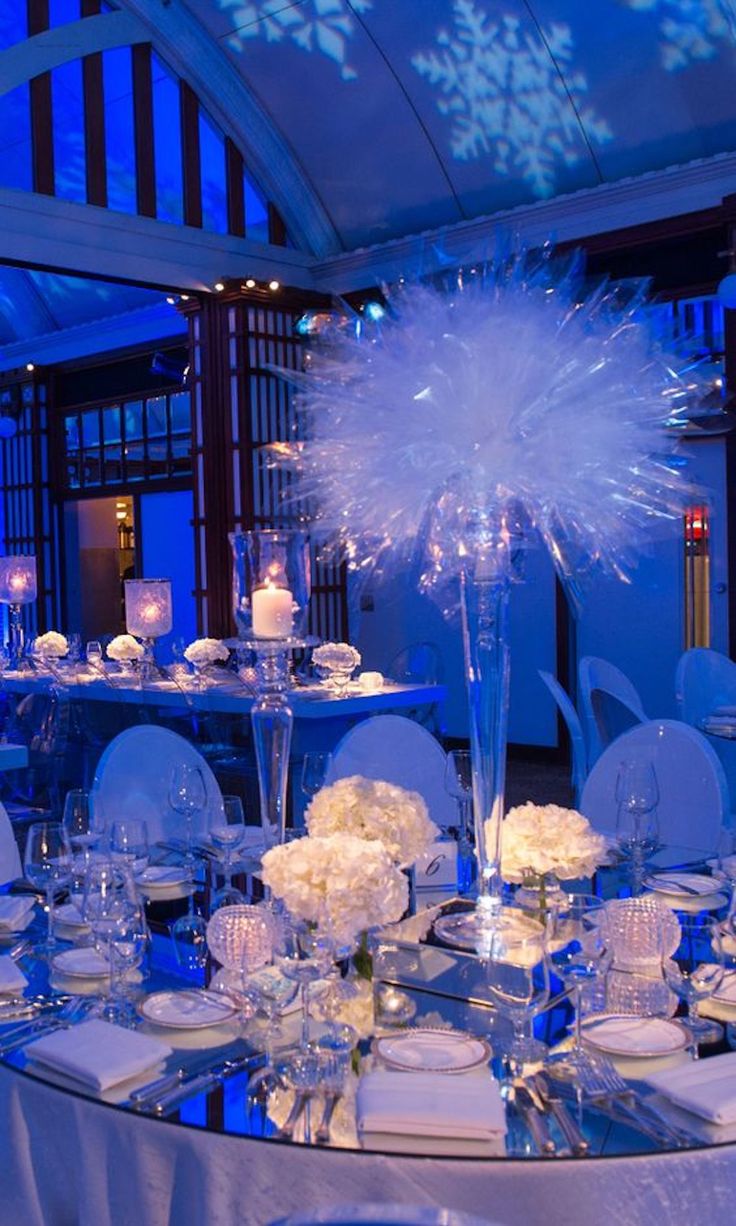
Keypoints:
pixel 272 612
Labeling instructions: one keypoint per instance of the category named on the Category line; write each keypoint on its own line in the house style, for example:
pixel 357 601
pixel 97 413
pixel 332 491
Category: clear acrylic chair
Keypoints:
pixel 384 1215
pixel 420 663
pixel 609 704
pixel 705 681
pixel 578 758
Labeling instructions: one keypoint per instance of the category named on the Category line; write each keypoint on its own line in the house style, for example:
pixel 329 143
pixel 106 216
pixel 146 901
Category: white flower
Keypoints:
pixel 542 839
pixel 355 1007
pixel 52 644
pixel 336 657
pixel 206 651
pixel 342 882
pixel 374 809
pixel 124 648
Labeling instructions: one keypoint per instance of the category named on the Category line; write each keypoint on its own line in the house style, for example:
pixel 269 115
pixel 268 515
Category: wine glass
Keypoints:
pixel 93 654
pixel 48 865
pixel 315 768
pixel 694 972
pixel 129 840
pixel 189 938
pixel 188 797
pixel 227 832
pixel 579 952
pixel 302 958
pixel 78 821
pixel 459 785
pixel 109 907
pixel 517 974
pixel 637 826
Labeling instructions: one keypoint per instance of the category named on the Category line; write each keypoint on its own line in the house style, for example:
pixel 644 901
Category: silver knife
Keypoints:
pixel 573 1134
pixel 534 1120
pixel 192 1086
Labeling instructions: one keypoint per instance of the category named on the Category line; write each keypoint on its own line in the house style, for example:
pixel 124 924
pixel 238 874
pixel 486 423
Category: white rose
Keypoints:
pixel 336 657
pixel 206 651
pixel 52 645
pixel 374 809
pixel 124 648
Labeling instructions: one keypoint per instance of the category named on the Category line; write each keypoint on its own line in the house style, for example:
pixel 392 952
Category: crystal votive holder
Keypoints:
pixel 241 937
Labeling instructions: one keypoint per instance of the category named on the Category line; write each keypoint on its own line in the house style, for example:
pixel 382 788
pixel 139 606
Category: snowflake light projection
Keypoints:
pixel 690 29
pixel 323 26
pixel 503 89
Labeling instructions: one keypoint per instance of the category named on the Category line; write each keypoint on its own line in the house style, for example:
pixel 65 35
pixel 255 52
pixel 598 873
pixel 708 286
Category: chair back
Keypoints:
pixel 418 663
pixel 397 749
pixel 578 760
pixel 133 778
pixel 10 866
pixel 704 681
pixel 693 793
pixel 609 704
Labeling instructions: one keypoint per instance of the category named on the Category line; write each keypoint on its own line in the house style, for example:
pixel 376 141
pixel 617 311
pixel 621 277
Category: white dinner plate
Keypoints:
pixel 69 915
pixel 682 885
pixel 641 1037
pixel 437 1051
pixel 83 963
pixel 187 1010
pixel 161 877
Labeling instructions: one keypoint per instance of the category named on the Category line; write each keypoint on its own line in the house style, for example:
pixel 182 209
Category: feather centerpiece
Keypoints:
pixel 513 393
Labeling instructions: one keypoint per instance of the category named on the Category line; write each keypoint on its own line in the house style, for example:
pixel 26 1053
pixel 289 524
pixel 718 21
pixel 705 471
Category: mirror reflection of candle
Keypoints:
pixel 272 612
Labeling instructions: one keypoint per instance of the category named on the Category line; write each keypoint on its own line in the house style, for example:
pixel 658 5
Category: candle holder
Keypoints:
pixel 148 615
pixel 18 586
pixel 271 588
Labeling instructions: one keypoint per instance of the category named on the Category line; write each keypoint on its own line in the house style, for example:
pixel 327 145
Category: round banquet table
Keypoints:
pixel 69 1160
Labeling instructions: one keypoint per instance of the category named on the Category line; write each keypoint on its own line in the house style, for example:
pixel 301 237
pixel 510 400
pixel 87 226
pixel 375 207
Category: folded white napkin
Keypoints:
pixel 98 1053
pixel 15 910
pixel 466 1106
pixel 707 1087
pixel 12 978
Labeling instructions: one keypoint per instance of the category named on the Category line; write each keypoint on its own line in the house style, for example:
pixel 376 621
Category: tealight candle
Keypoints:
pixel 272 612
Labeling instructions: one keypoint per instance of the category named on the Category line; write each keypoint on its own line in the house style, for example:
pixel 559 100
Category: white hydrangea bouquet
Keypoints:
pixel 337 881
pixel 202 652
pixel 374 809
pixel 124 649
pixel 542 841
pixel 51 646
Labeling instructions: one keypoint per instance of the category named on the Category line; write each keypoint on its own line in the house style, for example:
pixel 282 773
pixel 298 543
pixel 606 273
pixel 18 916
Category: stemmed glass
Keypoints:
pixel 303 958
pixel 48 865
pixel 189 938
pixel 93 654
pixel 227 833
pixel 580 953
pixel 517 974
pixel 118 926
pixel 637 827
pixel 694 972
pixel 188 797
pixel 129 840
pixel 315 768
pixel 459 785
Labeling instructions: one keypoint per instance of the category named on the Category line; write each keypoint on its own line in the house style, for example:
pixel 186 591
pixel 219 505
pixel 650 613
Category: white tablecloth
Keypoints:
pixel 67 1161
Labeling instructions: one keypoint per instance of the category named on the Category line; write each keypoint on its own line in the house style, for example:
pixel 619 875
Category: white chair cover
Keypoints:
pixel 574 727
pixel 704 681
pixel 133 777
pixel 693 794
pixel 609 704
pixel 396 749
pixel 10 866
pixel 383 1215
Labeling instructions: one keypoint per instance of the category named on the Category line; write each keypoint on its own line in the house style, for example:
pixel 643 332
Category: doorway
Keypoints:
pixel 99 554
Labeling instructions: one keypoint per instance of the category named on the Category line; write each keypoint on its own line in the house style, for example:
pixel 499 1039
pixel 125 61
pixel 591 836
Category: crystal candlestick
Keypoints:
pixel 148 614
pixel 18 586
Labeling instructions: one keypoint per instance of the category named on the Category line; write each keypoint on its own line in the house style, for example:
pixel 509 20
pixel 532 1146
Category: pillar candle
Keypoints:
pixel 272 612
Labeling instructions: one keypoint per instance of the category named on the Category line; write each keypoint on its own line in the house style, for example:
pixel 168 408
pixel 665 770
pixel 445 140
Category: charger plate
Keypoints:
pixel 187 1010
pixel 639 1037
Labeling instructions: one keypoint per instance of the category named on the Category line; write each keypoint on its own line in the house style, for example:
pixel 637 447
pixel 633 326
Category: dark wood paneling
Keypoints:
pixel 143 130
pixel 94 130
pixel 235 192
pixel 276 227
pixel 42 135
pixel 190 155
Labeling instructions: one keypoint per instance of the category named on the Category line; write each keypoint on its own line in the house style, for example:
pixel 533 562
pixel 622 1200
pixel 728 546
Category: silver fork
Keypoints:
pixel 600 1084
pixel 616 1088
pixel 71 1013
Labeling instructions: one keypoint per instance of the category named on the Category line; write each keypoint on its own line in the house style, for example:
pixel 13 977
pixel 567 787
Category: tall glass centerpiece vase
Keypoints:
pixel 18 586
pixel 271 589
pixel 148 615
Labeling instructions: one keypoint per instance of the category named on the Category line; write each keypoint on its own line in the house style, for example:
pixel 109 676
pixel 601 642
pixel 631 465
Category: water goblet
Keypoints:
pixel 579 952
pixel 48 865
pixel 459 785
pixel 513 950
pixel 93 654
pixel 694 972
pixel 637 826
pixel 315 768
pixel 227 832
pixel 108 905
pixel 189 938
